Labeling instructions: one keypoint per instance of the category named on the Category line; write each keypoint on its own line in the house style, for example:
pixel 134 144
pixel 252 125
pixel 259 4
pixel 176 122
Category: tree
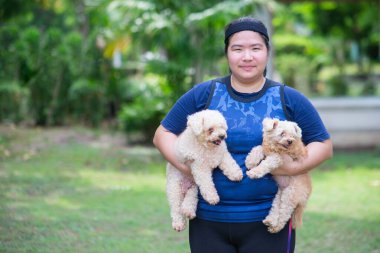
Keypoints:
pixel 332 29
pixel 184 37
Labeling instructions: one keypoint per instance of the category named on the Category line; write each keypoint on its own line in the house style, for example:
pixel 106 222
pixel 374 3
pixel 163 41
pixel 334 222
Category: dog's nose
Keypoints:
pixel 221 137
pixel 290 142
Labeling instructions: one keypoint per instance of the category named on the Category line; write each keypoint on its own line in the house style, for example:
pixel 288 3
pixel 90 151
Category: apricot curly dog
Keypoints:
pixel 203 144
pixel 281 138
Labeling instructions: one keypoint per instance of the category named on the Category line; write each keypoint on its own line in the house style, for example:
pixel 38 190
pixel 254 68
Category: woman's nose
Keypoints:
pixel 247 55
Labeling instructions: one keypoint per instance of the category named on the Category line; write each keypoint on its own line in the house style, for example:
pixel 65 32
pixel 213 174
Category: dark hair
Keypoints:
pixel 245 24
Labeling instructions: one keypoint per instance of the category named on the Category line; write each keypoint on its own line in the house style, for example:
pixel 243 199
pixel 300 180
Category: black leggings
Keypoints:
pixel 251 237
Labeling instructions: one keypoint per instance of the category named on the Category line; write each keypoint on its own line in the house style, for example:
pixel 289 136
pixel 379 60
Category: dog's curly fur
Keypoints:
pixel 203 145
pixel 281 138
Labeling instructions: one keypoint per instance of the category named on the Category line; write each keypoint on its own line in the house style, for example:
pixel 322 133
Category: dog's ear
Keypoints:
pixel 297 130
pixel 269 124
pixel 196 122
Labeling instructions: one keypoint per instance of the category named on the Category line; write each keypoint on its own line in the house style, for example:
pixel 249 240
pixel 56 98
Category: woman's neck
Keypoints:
pixel 251 87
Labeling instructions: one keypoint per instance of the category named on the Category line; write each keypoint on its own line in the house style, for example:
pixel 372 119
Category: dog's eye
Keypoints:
pixel 283 134
pixel 211 130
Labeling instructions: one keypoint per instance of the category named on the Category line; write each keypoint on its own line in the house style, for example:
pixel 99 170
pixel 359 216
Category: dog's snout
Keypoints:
pixel 290 142
pixel 222 136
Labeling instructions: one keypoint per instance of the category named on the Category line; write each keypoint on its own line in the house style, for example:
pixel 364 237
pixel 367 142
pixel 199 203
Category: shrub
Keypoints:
pixel 13 100
pixel 338 86
pixel 144 113
pixel 87 99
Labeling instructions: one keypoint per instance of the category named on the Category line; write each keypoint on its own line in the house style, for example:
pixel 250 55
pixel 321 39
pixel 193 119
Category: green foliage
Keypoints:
pixel 295 70
pixel 47 61
pixel 369 88
pixel 298 59
pixel 338 86
pixel 297 44
pixel 180 58
pixel 29 47
pixel 176 76
pixel 347 23
pixel 185 56
pixel 60 52
pixel 12 101
pixel 148 106
pixel 87 99
pixel 12 8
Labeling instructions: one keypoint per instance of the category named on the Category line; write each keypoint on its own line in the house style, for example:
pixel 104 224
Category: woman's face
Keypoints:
pixel 247 56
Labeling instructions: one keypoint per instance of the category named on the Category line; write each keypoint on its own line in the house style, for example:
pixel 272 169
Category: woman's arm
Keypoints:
pixel 164 141
pixel 318 152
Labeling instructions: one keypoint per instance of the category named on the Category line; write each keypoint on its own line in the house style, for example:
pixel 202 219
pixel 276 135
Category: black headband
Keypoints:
pixel 246 25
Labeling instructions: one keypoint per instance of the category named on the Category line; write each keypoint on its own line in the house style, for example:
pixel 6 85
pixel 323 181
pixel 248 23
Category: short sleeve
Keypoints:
pixel 191 102
pixel 301 111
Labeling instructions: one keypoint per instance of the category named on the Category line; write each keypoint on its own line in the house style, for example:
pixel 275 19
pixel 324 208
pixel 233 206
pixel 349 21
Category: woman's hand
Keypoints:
pixel 318 152
pixel 185 169
pixel 289 167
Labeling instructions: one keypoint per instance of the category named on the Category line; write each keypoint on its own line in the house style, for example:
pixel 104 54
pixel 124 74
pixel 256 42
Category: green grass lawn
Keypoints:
pixel 70 195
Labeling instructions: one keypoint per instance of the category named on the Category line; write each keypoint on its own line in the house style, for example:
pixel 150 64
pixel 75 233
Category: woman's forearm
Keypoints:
pixel 318 152
pixel 165 143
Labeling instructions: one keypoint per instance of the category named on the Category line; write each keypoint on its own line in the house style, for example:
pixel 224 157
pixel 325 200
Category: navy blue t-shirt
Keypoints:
pixel 248 200
pixel 298 108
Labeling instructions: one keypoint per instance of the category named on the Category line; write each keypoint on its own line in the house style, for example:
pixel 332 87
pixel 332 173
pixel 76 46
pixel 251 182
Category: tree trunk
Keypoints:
pixel 265 13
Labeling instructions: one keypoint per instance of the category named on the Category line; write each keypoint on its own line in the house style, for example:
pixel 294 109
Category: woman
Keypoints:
pixel 245 98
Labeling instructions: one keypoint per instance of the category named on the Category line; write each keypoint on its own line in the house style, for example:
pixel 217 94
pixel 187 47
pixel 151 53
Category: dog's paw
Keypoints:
pixel 188 212
pixel 253 162
pixel 190 215
pixel 237 176
pixel 253 174
pixel 273 225
pixel 250 164
pixel 212 199
pixel 179 225
pixel 274 229
pixel 268 222
pixel 254 158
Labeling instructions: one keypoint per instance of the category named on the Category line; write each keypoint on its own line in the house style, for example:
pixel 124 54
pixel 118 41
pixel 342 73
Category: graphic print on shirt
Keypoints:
pixel 247 200
pixel 271 100
pixel 244 118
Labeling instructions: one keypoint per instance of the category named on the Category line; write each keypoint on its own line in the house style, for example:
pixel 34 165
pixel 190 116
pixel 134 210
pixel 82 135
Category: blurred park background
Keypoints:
pixel 84 84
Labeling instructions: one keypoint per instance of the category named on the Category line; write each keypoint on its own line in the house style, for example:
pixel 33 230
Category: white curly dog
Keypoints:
pixel 281 138
pixel 203 145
